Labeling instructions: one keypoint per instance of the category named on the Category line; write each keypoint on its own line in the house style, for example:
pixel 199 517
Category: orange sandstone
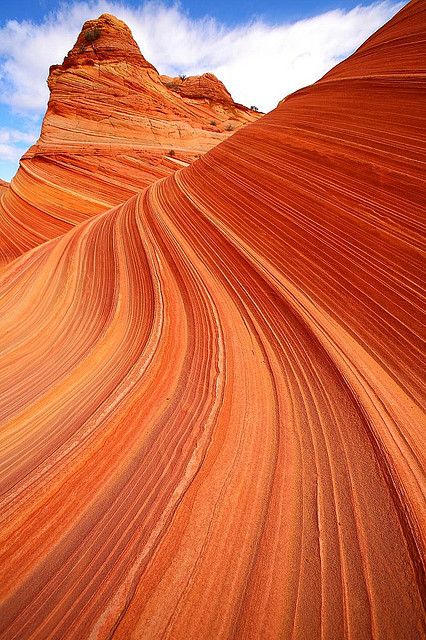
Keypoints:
pixel 211 395
pixel 112 127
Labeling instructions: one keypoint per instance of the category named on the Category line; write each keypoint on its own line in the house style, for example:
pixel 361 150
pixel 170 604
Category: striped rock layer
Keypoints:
pixel 212 421
pixel 112 127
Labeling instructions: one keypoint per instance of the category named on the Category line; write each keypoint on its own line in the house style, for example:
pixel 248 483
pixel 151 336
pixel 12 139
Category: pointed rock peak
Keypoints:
pixel 106 39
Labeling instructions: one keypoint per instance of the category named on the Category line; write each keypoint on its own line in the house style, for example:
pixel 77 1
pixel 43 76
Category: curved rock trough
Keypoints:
pixel 211 394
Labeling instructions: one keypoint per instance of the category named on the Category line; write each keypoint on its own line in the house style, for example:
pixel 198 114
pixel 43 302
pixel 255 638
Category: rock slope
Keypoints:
pixel 112 127
pixel 212 394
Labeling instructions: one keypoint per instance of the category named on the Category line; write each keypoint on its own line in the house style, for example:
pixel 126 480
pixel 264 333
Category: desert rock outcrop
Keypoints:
pixel 112 127
pixel 212 401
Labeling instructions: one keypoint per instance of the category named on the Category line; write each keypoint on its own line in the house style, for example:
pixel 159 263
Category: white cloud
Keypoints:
pixel 14 135
pixel 9 152
pixel 13 143
pixel 259 63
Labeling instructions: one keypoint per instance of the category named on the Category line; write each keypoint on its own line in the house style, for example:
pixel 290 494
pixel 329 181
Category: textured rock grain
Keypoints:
pixel 211 399
pixel 112 127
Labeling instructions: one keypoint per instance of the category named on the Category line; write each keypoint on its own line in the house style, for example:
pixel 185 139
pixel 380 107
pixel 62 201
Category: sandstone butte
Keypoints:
pixel 113 126
pixel 211 395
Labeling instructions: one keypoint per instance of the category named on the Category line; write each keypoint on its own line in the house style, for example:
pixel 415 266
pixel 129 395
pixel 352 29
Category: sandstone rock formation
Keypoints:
pixel 112 127
pixel 212 396
pixel 205 87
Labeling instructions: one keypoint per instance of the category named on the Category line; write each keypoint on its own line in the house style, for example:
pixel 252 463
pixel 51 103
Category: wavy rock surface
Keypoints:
pixel 110 126
pixel 211 400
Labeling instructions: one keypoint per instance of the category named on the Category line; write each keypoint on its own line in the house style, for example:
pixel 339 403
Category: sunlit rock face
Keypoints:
pixel 205 87
pixel 112 127
pixel 211 396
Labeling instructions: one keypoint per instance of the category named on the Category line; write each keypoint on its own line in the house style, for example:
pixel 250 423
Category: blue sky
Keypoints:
pixel 261 51
pixel 230 12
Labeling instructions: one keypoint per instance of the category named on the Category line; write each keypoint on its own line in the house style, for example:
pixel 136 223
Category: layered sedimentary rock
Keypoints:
pixel 205 87
pixel 112 127
pixel 212 402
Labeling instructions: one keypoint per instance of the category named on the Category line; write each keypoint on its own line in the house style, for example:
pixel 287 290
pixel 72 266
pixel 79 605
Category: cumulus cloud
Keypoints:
pixel 259 63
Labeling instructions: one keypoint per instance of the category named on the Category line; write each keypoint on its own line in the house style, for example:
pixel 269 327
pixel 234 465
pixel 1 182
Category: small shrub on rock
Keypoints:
pixel 92 34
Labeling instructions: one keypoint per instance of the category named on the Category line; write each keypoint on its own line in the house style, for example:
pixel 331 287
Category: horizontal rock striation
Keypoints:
pixel 211 395
pixel 205 87
pixel 112 127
